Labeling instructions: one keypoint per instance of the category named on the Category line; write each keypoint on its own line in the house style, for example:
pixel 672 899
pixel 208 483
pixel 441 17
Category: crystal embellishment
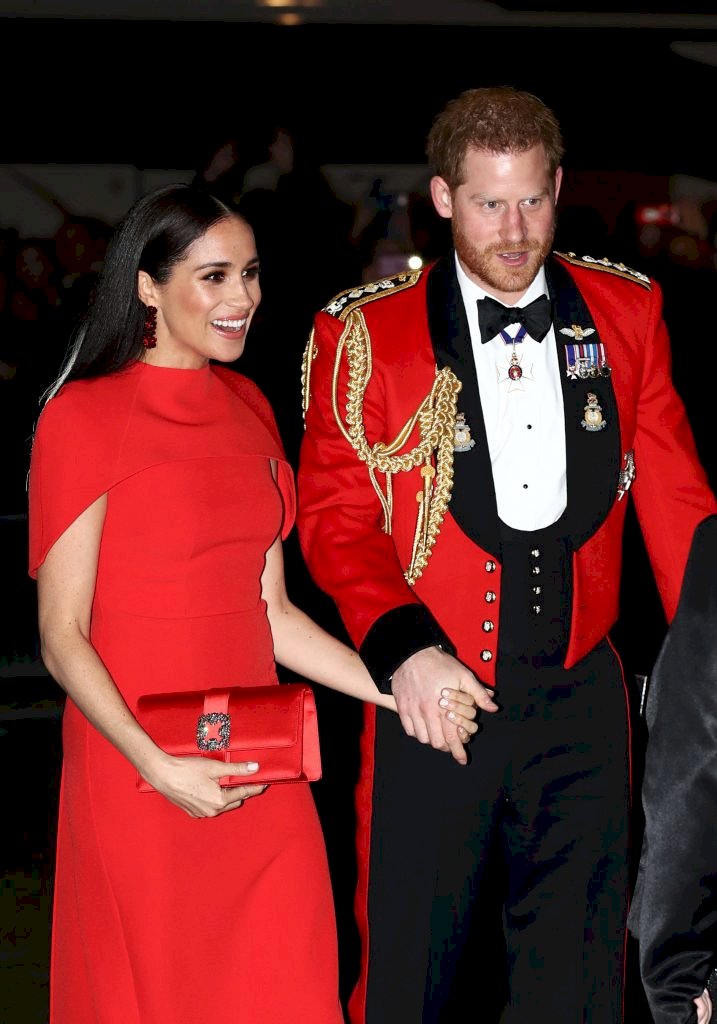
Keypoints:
pixel 213 731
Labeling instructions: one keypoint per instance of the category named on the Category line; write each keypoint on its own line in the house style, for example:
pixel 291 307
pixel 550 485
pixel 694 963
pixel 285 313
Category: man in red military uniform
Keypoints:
pixel 472 433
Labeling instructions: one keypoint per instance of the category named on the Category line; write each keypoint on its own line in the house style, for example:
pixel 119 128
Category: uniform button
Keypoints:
pixel 490 566
pixel 488 626
pixel 490 596
pixel 537 609
pixel 535 570
pixel 486 655
pixel 537 590
pixel 535 552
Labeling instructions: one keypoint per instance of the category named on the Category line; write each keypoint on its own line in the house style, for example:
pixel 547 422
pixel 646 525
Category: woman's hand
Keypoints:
pixel 460 708
pixel 704 1008
pixel 192 783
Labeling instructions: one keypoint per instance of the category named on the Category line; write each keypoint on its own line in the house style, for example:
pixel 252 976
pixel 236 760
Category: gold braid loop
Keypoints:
pixel 435 417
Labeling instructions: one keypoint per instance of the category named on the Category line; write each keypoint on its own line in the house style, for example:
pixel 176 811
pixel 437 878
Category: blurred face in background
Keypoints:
pixel 502 218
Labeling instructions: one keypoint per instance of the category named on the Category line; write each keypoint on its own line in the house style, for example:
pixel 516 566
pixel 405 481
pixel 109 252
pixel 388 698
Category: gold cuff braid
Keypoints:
pixel 435 417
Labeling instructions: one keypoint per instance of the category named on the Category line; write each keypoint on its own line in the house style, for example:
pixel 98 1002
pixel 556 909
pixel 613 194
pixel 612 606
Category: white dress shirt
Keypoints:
pixel 523 419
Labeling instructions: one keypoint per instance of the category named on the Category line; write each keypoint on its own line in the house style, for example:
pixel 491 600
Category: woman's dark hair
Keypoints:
pixel 154 236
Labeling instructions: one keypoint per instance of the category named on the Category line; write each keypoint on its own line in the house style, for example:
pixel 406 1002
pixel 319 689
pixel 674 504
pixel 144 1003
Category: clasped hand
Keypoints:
pixel 192 783
pixel 704 1008
pixel 437 699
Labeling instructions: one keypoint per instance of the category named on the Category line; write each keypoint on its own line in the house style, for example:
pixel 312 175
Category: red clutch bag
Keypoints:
pixel 274 725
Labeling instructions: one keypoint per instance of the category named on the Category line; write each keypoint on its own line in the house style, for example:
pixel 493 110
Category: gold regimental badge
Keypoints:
pixel 593 418
pixel 462 440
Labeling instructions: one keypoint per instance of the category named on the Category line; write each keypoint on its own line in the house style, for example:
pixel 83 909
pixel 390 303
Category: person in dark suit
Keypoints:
pixel 674 912
pixel 473 430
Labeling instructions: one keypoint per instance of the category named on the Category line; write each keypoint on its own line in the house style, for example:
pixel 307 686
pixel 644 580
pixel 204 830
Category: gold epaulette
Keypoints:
pixel 619 269
pixel 340 307
pixel 342 304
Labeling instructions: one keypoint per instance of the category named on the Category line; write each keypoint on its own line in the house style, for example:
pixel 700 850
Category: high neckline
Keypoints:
pixel 141 366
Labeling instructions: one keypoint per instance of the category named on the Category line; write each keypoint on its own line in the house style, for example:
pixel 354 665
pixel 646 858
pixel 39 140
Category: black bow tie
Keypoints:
pixel 493 317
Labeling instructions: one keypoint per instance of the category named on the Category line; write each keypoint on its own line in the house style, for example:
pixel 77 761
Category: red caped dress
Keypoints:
pixel 161 918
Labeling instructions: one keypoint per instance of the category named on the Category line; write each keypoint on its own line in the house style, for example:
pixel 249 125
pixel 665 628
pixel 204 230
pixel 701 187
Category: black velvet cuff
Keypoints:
pixel 395 637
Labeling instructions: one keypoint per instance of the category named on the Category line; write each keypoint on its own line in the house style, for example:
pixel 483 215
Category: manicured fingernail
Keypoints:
pixel 445 693
pixel 251 766
pixel 451 715
pixel 443 702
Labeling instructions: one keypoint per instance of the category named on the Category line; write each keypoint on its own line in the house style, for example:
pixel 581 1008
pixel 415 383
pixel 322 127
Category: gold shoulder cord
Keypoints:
pixel 435 417
pixel 309 355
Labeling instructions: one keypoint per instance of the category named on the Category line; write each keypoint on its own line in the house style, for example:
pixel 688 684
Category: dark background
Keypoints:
pixel 153 94
pixel 162 94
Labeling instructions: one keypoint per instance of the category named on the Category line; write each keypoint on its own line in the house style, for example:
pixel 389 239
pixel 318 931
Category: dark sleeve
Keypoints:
pixel 674 913
pixel 395 637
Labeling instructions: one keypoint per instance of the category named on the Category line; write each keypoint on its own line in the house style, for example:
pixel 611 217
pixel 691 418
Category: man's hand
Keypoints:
pixel 417 685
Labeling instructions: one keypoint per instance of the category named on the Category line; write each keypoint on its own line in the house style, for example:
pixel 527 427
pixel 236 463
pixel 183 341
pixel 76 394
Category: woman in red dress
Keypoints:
pixel 159 495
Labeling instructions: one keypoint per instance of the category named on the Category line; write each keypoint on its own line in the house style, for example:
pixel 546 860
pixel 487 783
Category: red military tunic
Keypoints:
pixel 341 517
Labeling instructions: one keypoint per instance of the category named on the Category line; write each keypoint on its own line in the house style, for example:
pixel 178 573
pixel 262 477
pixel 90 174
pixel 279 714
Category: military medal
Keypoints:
pixel 462 440
pixel 515 372
pixel 585 359
pixel 592 419
pixel 627 474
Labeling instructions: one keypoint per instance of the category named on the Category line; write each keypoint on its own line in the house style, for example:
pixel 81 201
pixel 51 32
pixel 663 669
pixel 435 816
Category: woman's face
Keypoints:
pixel 205 308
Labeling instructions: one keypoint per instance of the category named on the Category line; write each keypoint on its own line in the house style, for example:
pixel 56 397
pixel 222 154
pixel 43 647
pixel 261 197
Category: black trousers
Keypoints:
pixel 525 849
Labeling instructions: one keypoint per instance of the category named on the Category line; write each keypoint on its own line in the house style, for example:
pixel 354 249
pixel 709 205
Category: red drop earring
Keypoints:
pixel 149 338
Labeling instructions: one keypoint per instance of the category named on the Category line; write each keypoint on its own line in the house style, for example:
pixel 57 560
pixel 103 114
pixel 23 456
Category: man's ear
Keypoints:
pixel 441 196
pixel 146 288
pixel 558 180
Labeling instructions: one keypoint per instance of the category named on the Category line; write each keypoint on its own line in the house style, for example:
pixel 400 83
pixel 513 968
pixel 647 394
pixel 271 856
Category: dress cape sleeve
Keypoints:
pixel 259 405
pixel 70 467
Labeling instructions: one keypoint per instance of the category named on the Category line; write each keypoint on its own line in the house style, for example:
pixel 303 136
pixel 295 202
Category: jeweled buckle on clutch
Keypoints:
pixel 219 725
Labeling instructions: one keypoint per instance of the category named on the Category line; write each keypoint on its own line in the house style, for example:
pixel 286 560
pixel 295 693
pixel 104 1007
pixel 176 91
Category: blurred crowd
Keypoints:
pixel 311 245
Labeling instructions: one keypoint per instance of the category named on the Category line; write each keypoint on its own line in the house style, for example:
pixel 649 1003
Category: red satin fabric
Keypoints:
pixel 276 727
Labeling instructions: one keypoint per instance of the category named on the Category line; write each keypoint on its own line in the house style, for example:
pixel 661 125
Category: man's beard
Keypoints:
pixel 479 264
